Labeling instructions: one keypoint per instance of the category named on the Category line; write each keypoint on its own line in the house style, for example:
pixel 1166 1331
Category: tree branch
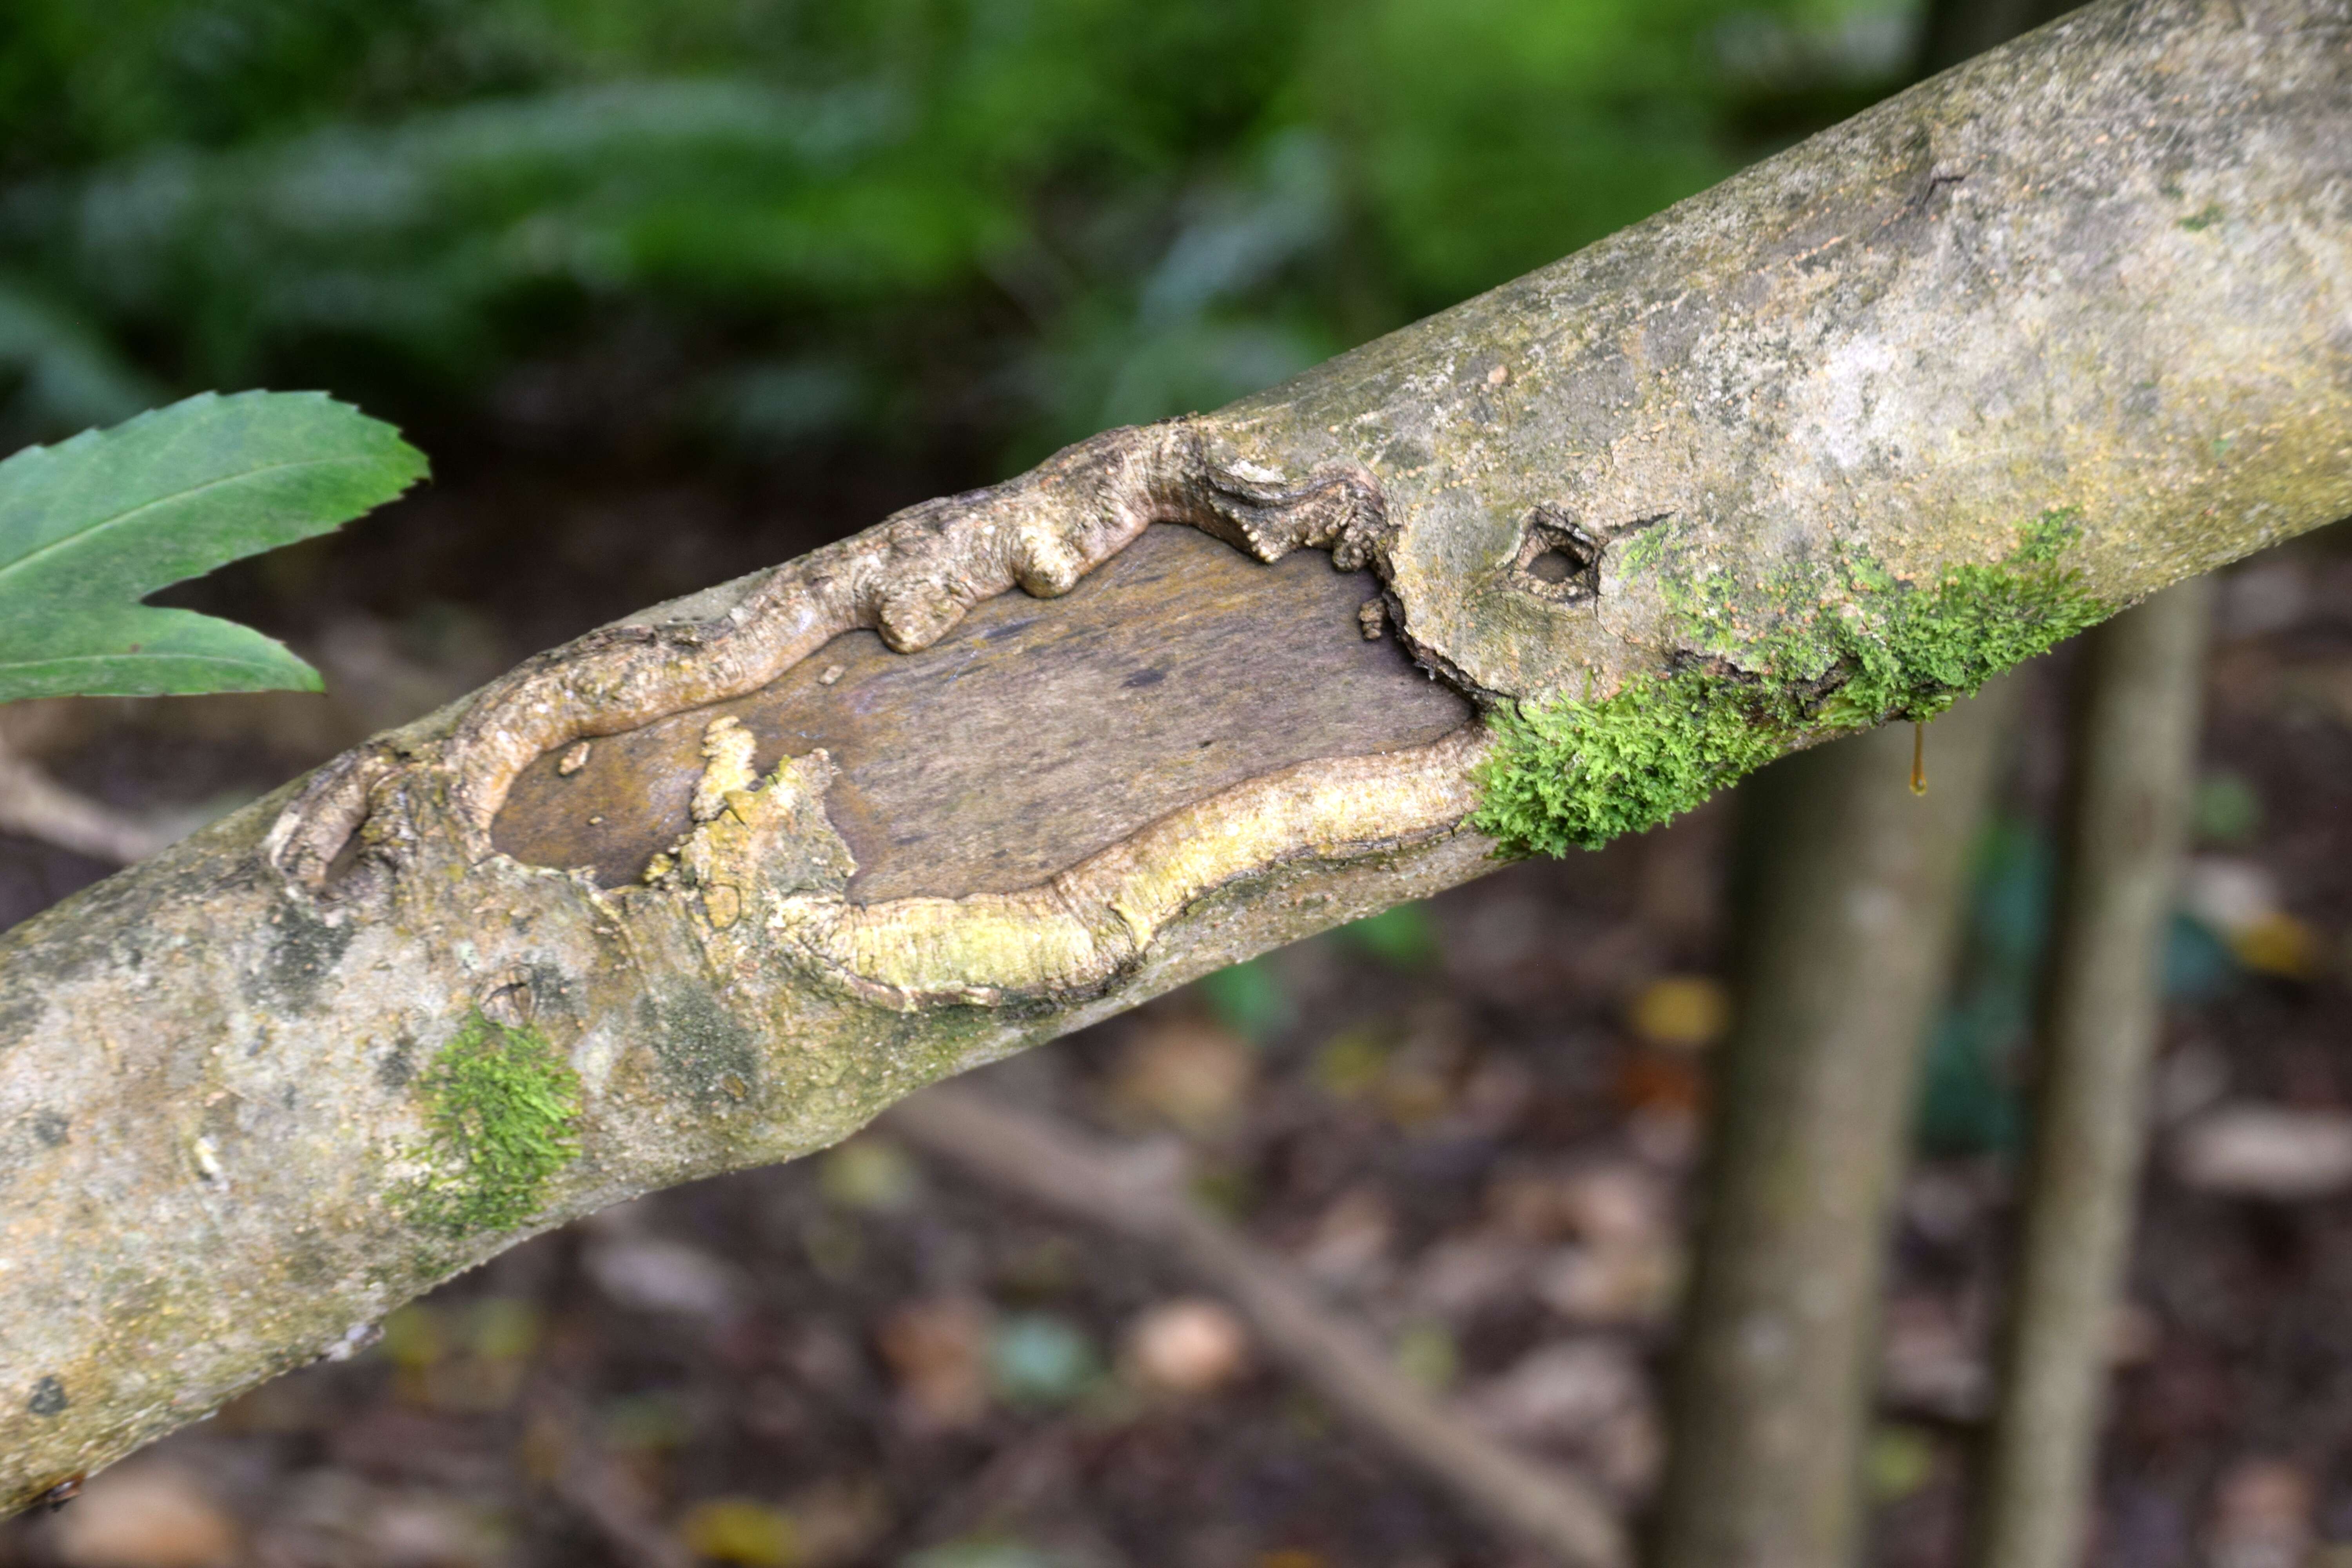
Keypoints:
pixel 1820 447
pixel 2135 765
pixel 1856 909
pixel 36 807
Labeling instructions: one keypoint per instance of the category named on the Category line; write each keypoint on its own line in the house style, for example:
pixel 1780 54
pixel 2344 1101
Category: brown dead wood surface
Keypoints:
pixel 952 757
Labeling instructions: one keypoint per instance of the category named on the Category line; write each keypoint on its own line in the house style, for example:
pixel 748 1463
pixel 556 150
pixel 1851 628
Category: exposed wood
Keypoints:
pixel 2135 768
pixel 960 769
pixel 1559 1513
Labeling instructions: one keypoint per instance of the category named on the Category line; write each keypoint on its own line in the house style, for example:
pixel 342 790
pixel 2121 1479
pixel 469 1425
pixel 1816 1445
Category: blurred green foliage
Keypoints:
pixel 2226 809
pixel 1250 999
pixel 795 221
pixel 1402 938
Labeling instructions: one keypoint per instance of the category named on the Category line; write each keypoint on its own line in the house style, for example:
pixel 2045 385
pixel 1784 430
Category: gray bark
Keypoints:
pixel 1766 1465
pixel 259 1089
pixel 1850 946
pixel 2135 763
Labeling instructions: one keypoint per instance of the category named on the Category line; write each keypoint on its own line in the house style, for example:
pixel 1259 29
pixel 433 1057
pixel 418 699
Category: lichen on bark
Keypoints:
pixel 1816 649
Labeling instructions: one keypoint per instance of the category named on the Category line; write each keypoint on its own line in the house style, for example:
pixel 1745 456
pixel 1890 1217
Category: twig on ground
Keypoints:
pixel 35 805
pixel 605 1495
pixel 1023 1153
pixel 2134 752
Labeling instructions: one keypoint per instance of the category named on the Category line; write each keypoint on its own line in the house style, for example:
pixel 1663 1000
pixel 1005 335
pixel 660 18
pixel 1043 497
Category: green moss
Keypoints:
pixel 1576 772
pixel 503 1108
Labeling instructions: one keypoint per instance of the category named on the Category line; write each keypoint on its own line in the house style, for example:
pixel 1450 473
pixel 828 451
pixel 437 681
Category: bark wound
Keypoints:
pixel 762 866
pixel 1030 737
pixel 1559 559
pixel 1801 372
pixel 769 858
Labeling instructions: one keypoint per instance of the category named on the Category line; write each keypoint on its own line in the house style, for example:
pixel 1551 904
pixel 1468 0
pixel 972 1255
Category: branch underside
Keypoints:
pixel 1792 456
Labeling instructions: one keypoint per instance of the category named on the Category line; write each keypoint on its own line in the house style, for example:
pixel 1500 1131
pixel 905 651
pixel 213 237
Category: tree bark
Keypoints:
pixel 1815 449
pixel 2135 765
pixel 1809 1136
pixel 1777 1363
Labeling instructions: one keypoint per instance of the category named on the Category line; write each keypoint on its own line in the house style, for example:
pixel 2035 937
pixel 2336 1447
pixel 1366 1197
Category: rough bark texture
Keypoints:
pixel 1824 445
pixel 1778 1356
pixel 2135 767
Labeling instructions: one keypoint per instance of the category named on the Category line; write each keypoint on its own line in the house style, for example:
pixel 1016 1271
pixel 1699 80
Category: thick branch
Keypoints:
pixel 1821 446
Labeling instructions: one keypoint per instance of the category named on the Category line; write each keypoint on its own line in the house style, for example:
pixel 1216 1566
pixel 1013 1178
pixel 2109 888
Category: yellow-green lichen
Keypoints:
pixel 1576 772
pixel 503 1109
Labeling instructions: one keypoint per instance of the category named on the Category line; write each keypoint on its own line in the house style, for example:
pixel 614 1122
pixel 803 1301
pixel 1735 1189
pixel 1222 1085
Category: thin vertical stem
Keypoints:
pixel 2136 736
pixel 1850 936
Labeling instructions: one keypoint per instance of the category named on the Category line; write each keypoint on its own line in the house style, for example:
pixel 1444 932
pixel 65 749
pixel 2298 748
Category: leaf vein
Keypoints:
pixel 83 536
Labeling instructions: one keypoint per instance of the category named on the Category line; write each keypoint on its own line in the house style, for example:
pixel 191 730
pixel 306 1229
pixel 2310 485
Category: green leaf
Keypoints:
pixel 90 526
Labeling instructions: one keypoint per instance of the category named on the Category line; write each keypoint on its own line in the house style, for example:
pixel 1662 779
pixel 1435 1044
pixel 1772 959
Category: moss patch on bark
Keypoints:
pixel 1868 648
pixel 504 1105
